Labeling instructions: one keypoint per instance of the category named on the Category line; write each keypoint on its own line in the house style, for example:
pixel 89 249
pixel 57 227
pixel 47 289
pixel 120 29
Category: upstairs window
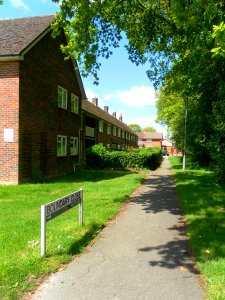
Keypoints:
pixel 100 126
pixel 108 128
pixel 61 145
pixel 62 97
pixel 114 130
pixel 73 146
pixel 74 104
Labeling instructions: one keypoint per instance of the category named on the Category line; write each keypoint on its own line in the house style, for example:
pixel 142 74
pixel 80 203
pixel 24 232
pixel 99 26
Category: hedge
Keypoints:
pixel 145 158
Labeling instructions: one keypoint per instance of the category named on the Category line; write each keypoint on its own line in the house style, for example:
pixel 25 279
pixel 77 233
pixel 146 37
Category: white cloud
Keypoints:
pixel 137 96
pixel 146 121
pixel 90 94
pixel 20 4
pixel 131 115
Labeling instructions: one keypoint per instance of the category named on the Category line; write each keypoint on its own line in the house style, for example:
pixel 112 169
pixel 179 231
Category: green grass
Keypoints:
pixel 203 203
pixel 21 267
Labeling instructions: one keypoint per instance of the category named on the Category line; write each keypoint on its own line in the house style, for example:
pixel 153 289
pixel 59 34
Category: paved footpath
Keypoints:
pixel 142 254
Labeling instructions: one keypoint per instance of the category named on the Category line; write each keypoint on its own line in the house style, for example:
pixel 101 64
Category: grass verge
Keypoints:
pixel 21 266
pixel 203 203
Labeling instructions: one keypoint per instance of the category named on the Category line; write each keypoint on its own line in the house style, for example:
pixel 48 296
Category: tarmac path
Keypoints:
pixel 142 254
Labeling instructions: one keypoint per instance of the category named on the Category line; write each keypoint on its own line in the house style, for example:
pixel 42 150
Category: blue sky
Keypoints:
pixel 123 86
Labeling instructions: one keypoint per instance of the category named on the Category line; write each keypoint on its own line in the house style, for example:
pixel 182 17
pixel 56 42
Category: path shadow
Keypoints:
pixel 172 255
pixel 159 194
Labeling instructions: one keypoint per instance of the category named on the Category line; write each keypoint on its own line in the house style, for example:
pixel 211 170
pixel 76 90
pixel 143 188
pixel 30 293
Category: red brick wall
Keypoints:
pixel 9 106
pixel 153 143
pixel 42 70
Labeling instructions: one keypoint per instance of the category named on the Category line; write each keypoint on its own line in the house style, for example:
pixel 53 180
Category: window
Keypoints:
pixel 149 140
pixel 114 130
pixel 100 126
pixel 119 132
pixel 108 128
pixel 62 97
pixel 74 104
pixel 73 146
pixel 61 145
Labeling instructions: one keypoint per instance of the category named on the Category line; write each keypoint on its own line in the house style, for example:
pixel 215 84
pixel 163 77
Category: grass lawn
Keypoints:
pixel 203 203
pixel 21 266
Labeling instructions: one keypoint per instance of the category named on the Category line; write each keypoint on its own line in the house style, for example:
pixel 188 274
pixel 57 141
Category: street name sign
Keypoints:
pixel 57 207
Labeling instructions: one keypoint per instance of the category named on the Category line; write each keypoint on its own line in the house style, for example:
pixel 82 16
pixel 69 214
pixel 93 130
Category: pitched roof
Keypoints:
pixel 150 135
pixel 103 115
pixel 16 35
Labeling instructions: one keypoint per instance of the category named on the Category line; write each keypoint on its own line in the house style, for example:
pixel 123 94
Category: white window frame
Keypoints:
pixel 73 145
pixel 100 126
pixel 62 97
pixel 74 103
pixel 62 141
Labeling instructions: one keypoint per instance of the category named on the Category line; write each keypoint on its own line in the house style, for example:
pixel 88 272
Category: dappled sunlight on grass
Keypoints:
pixel 20 263
pixel 202 200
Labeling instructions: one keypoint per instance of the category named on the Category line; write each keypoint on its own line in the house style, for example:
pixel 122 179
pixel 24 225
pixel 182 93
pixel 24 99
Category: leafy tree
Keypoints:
pixel 149 129
pixel 184 44
pixel 135 127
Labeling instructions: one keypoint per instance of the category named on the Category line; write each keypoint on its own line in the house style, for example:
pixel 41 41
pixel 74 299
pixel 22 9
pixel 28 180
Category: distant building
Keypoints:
pixel 169 147
pixel 150 139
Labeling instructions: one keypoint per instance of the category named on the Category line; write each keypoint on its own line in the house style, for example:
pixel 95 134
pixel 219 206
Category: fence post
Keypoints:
pixel 43 231
pixel 81 209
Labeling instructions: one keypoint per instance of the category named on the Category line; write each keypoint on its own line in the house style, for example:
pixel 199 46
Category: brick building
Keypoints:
pixel 150 139
pixel 101 127
pixel 40 102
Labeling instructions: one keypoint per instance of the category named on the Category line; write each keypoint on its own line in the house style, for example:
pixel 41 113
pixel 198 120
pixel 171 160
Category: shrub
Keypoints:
pixel 98 157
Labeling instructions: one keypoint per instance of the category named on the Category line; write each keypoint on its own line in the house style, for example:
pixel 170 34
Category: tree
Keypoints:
pixel 183 43
pixel 149 129
pixel 135 127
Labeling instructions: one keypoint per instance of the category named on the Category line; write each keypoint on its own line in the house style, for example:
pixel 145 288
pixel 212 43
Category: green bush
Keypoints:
pixel 145 158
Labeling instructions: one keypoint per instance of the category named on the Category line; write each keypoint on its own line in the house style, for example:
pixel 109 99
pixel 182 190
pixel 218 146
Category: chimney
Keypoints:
pixel 121 117
pixel 114 114
pixel 95 101
pixel 106 108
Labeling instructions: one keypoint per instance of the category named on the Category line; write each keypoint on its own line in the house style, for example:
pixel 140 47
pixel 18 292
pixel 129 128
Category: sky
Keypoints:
pixel 123 86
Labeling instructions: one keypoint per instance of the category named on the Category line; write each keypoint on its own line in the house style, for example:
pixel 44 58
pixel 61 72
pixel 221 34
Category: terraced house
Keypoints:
pixel 40 102
pixel 100 127
pixel 43 129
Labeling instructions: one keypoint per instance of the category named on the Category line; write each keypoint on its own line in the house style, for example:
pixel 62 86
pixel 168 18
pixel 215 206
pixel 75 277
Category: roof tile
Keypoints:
pixel 17 34
pixel 103 115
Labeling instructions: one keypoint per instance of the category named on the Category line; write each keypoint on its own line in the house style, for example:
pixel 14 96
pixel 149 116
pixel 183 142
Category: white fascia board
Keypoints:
pixel 11 58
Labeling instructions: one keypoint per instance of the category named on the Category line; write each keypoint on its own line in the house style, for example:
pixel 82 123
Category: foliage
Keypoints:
pixel 202 201
pixel 21 267
pixel 98 157
pixel 149 129
pixel 135 127
pixel 182 42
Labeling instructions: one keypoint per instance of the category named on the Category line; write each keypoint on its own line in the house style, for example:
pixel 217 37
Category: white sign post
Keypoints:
pixel 55 208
